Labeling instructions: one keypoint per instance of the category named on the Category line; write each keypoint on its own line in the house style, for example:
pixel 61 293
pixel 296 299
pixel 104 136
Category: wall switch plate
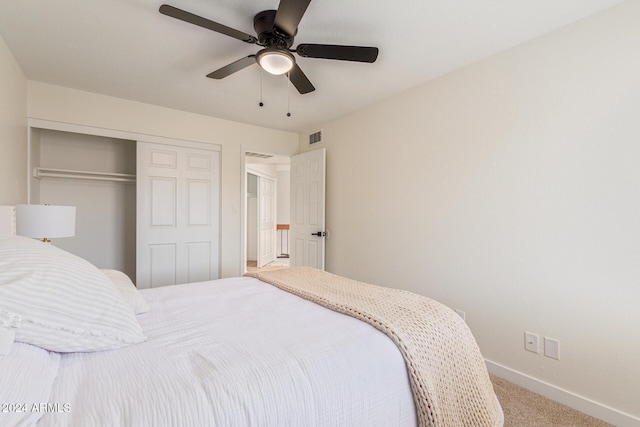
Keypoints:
pixel 531 342
pixel 552 348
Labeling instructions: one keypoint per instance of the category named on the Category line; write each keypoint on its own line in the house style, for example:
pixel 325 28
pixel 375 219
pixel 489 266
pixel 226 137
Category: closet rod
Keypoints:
pixel 82 175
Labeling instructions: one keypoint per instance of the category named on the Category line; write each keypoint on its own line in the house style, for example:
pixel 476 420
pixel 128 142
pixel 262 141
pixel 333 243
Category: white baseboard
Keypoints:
pixel 580 403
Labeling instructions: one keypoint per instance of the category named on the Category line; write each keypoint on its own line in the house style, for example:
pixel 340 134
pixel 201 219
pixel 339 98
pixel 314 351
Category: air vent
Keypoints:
pixel 315 137
pixel 258 155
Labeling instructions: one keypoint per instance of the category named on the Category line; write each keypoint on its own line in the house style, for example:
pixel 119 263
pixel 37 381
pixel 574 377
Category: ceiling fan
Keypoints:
pixel 276 30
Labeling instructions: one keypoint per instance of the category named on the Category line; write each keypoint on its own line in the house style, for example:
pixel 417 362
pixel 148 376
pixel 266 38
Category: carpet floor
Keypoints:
pixel 524 408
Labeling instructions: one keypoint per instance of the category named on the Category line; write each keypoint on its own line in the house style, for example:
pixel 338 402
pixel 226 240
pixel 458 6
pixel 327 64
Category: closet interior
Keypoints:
pixel 96 174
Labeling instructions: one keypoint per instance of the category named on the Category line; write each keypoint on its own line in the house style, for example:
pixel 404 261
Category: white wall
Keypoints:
pixel 283 208
pixel 55 103
pixel 252 217
pixel 13 129
pixel 510 189
pixel 283 181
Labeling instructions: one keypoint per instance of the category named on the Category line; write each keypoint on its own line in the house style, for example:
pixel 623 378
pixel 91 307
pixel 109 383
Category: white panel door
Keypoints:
pixel 178 197
pixel 307 209
pixel 266 221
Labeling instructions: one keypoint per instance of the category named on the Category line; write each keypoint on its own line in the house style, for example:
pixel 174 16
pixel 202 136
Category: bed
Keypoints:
pixel 247 351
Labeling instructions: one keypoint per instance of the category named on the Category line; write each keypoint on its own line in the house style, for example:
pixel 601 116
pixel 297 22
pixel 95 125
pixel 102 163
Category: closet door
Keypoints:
pixel 178 196
pixel 266 221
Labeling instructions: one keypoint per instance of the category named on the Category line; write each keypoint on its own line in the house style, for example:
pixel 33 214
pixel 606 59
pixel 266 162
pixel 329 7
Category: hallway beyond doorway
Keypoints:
pixel 275 265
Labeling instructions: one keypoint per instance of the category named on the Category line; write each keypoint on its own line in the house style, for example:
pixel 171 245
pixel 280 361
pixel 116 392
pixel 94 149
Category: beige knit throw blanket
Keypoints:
pixel 449 380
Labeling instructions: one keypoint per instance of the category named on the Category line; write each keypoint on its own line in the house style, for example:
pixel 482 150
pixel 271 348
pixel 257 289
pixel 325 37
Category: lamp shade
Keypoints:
pixel 45 221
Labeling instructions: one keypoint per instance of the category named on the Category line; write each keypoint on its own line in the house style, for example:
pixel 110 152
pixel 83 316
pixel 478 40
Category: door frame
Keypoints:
pixel 243 197
pixel 243 201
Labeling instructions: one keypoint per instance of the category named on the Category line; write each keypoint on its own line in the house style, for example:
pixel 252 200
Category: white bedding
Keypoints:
pixel 27 374
pixel 237 352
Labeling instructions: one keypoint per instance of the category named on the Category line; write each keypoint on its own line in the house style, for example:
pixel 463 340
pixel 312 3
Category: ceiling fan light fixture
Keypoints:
pixel 275 61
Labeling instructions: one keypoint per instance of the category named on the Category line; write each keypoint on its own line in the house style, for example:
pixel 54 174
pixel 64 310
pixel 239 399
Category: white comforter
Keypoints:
pixel 237 352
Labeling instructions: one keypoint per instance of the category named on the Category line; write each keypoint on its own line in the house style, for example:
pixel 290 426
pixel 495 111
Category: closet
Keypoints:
pixel 150 209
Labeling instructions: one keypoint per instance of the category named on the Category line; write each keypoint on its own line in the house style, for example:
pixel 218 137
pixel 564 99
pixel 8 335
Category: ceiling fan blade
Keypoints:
pixel 185 16
pixel 234 67
pixel 290 14
pixel 300 80
pixel 342 53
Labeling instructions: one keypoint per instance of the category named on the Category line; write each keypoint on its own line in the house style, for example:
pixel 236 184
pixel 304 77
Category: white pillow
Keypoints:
pixel 128 291
pixel 66 303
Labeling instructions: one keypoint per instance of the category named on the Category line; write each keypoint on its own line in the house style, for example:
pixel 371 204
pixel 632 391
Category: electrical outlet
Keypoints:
pixel 462 314
pixel 552 348
pixel 531 342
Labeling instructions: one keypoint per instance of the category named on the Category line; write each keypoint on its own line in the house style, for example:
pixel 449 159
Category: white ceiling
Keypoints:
pixel 127 49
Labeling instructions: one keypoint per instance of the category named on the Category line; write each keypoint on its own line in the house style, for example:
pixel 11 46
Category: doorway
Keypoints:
pixel 267 213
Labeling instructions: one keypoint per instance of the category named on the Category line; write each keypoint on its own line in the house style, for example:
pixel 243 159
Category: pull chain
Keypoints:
pixel 261 103
pixel 289 94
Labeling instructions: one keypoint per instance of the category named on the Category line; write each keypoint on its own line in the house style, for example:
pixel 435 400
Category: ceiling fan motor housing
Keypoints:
pixel 268 34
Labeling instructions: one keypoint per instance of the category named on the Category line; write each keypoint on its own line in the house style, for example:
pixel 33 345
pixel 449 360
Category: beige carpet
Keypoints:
pixel 524 408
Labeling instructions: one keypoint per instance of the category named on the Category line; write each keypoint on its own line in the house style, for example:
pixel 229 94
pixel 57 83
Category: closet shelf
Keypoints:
pixel 39 172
